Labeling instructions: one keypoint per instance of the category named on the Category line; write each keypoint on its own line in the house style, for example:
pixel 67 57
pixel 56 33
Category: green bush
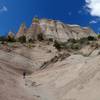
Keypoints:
pixel 40 37
pixel 75 46
pixel 83 41
pixel 30 41
pixel 72 40
pixel 57 45
pixel 91 38
pixel 67 45
pixel 11 39
pixel 22 39
pixel 50 39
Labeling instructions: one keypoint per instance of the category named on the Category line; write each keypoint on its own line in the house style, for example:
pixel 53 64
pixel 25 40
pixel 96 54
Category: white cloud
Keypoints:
pixel 3 9
pixel 93 22
pixel 93 7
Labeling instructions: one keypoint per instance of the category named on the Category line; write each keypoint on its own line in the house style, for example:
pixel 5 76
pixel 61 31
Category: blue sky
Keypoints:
pixel 82 12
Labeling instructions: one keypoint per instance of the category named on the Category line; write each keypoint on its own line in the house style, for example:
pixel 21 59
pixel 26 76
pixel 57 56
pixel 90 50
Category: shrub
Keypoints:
pixel 67 45
pixel 75 46
pixel 83 41
pixel 40 37
pixel 57 45
pixel 35 19
pixel 29 46
pixel 22 39
pixel 30 41
pixel 98 36
pixel 72 40
pixel 51 39
pixel 11 39
pixel 91 38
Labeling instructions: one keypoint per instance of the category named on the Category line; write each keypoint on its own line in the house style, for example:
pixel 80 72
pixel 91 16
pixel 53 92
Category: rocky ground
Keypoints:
pixel 51 75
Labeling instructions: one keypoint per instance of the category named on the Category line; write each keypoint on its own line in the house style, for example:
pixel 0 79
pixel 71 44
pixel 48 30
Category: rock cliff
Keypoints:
pixel 55 30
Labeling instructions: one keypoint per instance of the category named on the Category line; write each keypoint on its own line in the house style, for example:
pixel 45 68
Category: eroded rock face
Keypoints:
pixel 22 30
pixel 33 31
pixel 55 30
pixel 62 32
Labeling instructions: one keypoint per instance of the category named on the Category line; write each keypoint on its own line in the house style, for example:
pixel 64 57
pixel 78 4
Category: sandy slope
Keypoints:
pixel 76 78
pixel 10 88
pixel 73 78
pixel 12 66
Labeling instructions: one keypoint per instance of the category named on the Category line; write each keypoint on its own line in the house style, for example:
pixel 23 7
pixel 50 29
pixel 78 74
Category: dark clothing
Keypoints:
pixel 24 75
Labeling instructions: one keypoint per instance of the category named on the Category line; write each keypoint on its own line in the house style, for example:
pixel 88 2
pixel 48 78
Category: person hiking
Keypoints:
pixel 24 75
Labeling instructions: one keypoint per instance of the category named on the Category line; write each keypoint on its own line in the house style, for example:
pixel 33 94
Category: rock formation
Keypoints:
pixel 54 30
pixel 11 34
pixel 22 30
pixel 34 30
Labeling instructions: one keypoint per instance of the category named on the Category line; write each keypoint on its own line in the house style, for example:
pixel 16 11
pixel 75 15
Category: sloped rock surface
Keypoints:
pixel 10 78
pixel 12 66
pixel 75 78
pixel 64 77
pixel 22 30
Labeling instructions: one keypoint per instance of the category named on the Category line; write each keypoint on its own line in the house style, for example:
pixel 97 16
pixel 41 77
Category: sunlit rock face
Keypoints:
pixel 55 30
pixel 11 34
pixel 34 30
pixel 22 30
pixel 62 32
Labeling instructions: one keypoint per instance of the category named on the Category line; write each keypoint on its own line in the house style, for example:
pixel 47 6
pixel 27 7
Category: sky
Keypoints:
pixel 83 12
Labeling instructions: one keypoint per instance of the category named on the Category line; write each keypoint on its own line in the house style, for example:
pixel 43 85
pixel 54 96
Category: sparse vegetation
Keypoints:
pixel 98 36
pixel 11 39
pixel 91 38
pixel 36 19
pixel 30 41
pixel 72 40
pixel 40 37
pixel 73 44
pixel 50 39
pixel 22 39
pixel 57 45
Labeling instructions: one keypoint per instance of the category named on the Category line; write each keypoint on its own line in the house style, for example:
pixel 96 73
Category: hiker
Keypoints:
pixel 24 75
